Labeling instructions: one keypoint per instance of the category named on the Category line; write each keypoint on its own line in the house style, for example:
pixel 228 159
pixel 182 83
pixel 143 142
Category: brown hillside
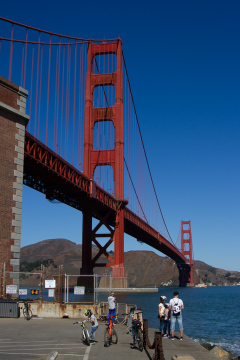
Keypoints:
pixel 143 268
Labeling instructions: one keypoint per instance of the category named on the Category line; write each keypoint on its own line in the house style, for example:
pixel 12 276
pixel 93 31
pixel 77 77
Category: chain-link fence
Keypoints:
pixel 59 287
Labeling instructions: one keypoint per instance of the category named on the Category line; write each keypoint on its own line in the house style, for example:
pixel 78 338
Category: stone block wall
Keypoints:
pixel 13 121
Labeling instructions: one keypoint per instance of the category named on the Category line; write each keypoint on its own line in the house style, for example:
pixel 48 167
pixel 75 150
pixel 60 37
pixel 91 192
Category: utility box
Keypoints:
pixel 9 308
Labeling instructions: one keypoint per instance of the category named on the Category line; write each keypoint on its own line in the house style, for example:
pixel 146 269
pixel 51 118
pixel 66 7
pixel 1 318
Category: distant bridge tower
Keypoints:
pixel 113 157
pixel 186 270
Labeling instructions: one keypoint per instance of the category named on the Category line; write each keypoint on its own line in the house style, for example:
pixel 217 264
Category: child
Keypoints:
pixel 111 306
pixel 166 326
pixel 161 310
pixel 93 321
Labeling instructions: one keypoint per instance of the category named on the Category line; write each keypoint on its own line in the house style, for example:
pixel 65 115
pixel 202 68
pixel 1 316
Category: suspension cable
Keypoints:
pixel 144 149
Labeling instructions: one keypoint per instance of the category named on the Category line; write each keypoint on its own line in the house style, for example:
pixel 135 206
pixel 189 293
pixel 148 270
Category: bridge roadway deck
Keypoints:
pixel 35 339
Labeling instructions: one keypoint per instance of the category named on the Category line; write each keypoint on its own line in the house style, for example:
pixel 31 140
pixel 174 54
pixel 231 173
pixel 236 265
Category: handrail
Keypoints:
pixel 157 342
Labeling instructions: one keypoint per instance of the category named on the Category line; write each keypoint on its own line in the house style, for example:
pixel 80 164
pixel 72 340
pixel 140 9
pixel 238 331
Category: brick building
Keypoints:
pixel 13 121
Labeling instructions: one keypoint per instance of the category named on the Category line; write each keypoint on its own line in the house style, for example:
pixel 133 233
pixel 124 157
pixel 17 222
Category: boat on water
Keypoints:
pixel 200 286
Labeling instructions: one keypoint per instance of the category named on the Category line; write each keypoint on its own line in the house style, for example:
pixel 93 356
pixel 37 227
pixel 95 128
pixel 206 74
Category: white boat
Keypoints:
pixel 201 286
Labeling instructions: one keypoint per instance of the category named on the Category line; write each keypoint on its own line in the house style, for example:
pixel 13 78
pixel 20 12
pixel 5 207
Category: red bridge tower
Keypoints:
pixel 113 157
pixel 186 270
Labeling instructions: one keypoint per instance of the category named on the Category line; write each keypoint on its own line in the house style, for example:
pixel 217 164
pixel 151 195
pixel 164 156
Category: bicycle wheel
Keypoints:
pixel 140 339
pixel 107 338
pixel 27 313
pixel 114 336
pixel 86 337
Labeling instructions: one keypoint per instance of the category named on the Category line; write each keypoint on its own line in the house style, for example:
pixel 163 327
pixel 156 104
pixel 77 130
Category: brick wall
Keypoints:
pixel 13 121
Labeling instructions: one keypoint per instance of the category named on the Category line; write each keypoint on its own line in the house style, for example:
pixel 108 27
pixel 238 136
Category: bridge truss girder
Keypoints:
pixel 48 173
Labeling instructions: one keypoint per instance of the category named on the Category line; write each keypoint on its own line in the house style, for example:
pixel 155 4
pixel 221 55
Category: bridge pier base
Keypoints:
pixel 13 122
pixel 185 275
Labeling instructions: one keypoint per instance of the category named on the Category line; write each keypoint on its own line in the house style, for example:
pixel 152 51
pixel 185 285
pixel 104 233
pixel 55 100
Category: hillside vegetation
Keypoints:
pixel 143 268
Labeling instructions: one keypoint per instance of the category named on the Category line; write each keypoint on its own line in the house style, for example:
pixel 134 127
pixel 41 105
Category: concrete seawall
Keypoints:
pixel 128 290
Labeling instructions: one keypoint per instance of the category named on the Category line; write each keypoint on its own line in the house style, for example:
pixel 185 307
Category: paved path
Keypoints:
pixel 34 339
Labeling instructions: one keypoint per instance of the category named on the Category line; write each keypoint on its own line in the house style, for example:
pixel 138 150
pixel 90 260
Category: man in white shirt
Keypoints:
pixel 111 306
pixel 176 306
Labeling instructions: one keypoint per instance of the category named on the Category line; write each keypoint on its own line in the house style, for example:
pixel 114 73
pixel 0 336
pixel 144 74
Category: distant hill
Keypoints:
pixel 144 268
pixel 216 276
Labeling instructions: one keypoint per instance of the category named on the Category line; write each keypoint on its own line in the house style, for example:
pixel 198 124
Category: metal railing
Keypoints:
pixel 157 343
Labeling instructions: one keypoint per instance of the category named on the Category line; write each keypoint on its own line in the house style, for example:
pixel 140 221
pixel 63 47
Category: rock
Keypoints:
pixel 222 353
pixel 207 346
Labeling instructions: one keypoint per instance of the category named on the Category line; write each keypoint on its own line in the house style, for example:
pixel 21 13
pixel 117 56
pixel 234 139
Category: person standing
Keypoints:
pixel 167 321
pixel 161 311
pixel 93 321
pixel 176 306
pixel 111 307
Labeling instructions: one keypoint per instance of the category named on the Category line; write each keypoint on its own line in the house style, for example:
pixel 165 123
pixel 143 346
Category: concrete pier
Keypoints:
pixel 128 290
pixel 43 339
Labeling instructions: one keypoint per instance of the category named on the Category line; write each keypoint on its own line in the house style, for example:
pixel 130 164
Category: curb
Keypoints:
pixel 52 355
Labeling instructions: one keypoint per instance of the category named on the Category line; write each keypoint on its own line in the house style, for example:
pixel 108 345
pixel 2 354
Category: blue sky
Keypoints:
pixel 183 60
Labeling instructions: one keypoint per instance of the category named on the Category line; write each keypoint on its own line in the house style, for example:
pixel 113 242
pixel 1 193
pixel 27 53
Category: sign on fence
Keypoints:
pixel 79 290
pixel 11 289
pixel 22 291
pixel 34 291
pixel 50 284
pixel 50 292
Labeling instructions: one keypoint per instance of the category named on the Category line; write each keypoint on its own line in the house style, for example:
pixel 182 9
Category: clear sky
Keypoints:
pixel 183 60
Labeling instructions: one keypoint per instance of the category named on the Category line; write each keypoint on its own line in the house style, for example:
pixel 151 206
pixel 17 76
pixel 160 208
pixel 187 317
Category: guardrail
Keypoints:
pixel 157 342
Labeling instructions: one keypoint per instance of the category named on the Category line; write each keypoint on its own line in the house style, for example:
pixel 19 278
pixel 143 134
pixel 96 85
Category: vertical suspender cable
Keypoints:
pixel 55 104
pixel 11 55
pixel 40 92
pixel 58 85
pixel 31 97
pixel 61 137
pixel 25 63
pixel 36 101
pixel 22 64
pixel 48 86
pixel 74 101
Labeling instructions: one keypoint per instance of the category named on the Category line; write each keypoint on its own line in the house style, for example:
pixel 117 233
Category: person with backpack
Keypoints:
pixel 176 306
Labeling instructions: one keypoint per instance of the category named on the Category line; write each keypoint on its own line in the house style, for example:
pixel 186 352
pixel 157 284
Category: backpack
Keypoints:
pixel 136 323
pixel 176 309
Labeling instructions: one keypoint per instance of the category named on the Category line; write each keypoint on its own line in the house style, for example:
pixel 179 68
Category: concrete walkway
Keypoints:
pixel 37 338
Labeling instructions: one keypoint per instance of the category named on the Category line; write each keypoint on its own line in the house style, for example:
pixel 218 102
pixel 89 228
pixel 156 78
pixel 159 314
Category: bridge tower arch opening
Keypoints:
pixel 96 113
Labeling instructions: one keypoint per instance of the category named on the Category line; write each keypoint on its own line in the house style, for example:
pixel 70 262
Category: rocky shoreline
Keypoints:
pixel 220 352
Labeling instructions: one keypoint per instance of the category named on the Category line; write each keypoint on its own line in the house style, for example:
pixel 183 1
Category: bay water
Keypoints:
pixel 210 314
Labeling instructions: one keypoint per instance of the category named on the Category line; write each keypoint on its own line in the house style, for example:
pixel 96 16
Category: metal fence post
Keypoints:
pixel 4 280
pixel 65 288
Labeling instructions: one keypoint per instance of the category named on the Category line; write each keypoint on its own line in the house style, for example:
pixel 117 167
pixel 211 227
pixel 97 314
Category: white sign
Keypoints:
pixel 50 292
pixel 11 289
pixel 22 291
pixel 50 284
pixel 79 290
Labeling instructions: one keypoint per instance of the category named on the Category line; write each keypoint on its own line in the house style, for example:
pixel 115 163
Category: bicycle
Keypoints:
pixel 134 327
pixel 85 333
pixel 27 312
pixel 110 336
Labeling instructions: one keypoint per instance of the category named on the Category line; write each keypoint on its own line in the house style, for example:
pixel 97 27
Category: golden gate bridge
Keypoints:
pixel 83 143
